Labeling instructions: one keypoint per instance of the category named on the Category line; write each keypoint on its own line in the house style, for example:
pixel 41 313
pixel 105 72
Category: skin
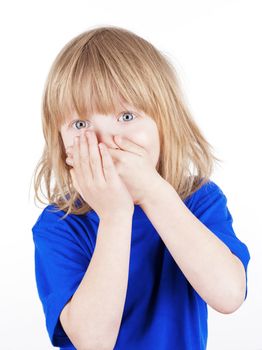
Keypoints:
pixel 138 150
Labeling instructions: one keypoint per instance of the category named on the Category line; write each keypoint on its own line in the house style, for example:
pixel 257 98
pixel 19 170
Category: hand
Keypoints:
pixel 94 176
pixel 135 168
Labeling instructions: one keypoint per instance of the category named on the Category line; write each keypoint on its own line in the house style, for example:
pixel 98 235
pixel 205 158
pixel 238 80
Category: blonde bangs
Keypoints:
pixel 102 78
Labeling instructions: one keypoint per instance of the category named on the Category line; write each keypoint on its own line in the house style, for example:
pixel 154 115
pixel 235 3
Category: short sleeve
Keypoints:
pixel 209 205
pixel 62 255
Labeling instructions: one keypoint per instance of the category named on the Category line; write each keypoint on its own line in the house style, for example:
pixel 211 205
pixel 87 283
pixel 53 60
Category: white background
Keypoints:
pixel 216 48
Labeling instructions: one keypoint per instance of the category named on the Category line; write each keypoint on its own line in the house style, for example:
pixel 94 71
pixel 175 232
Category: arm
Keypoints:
pixel 216 274
pixel 93 315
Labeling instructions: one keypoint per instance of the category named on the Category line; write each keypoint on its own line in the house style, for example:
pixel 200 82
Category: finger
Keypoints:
pixel 116 154
pixel 95 158
pixel 110 172
pixel 84 158
pixel 128 145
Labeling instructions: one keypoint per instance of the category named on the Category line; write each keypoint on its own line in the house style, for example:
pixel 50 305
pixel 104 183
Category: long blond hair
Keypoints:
pixel 86 76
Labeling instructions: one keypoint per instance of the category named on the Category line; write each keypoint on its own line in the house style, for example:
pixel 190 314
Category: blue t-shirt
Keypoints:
pixel 162 311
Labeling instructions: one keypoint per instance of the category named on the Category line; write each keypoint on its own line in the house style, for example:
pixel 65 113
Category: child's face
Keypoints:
pixel 133 124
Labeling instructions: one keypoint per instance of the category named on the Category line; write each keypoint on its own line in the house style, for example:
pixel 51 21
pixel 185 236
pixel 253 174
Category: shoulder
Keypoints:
pixel 208 192
pixel 53 232
pixel 52 220
pixel 50 215
pixel 209 188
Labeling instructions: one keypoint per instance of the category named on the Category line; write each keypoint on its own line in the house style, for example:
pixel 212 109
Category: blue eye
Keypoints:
pixel 129 114
pixel 79 122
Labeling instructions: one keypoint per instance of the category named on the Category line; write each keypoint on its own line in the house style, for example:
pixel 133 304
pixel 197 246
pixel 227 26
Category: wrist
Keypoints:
pixel 117 217
pixel 151 194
